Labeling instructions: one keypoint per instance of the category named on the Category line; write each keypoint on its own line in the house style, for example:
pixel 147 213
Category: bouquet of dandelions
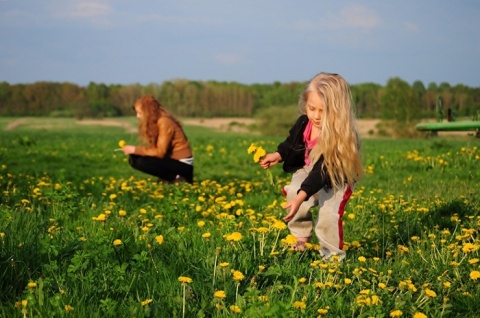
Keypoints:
pixel 121 144
pixel 258 152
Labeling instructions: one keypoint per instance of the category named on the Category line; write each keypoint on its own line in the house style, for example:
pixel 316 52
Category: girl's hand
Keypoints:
pixel 293 205
pixel 269 160
pixel 128 149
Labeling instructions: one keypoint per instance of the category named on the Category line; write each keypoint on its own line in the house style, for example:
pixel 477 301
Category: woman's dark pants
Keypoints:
pixel 164 168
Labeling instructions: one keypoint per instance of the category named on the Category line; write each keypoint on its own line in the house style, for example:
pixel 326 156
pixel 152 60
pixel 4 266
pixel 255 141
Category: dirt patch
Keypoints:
pixel 367 128
pixel 107 122
pixel 222 124
pixel 14 124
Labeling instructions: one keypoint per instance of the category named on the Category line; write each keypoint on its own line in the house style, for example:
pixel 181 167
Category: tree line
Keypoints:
pixel 396 100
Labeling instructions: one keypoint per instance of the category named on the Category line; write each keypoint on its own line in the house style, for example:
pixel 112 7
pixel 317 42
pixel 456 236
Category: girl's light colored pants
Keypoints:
pixel 328 226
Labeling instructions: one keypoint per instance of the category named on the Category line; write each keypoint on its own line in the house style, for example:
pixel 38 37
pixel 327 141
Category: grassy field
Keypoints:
pixel 84 235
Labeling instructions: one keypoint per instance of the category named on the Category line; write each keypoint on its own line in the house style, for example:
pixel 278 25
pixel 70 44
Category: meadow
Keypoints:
pixel 84 235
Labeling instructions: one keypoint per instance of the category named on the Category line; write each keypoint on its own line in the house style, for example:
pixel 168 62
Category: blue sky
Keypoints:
pixel 260 41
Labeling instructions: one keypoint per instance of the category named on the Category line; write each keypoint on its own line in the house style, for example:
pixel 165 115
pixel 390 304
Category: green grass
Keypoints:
pixel 411 231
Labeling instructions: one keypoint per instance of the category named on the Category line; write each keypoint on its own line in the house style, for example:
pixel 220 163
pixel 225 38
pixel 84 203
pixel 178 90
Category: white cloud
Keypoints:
pixel 354 16
pixel 412 27
pixel 228 59
pixel 350 17
pixel 82 9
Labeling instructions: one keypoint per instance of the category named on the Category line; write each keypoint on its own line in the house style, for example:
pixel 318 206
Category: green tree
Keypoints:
pixel 399 102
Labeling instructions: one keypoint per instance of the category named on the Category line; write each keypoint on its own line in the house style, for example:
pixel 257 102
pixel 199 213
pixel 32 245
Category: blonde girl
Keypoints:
pixel 323 152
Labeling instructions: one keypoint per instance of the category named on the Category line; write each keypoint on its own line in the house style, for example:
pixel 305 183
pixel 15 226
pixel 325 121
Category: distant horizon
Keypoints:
pixel 247 84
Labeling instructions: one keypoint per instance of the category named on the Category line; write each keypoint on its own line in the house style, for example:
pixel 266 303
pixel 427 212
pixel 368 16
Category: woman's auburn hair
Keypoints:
pixel 338 141
pixel 152 110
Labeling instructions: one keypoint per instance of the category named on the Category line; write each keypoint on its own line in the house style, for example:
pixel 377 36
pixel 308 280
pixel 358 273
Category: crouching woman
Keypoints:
pixel 166 152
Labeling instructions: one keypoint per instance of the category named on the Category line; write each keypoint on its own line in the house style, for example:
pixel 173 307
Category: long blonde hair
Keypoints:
pixel 338 141
pixel 152 110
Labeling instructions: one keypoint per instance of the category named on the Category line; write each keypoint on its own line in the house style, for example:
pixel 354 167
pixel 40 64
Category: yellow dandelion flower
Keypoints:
pixel 235 309
pixel 279 225
pixel 206 235
pixel 117 242
pixel 224 264
pixel 68 308
pixel 396 313
pixel 32 285
pixel 347 281
pixel 259 153
pixel 252 148
pixel 430 293
pixel 201 223
pixel 419 315
pixel 362 259
pixel 299 305
pixel 302 280
pixel 159 239
pixel 146 302
pixel 472 261
pixel 184 279
pixel 263 298
pixel 235 236
pixel 323 311
pixel 469 247
pixel 237 276
pixel 261 268
pixel 475 275
pixel 289 240
pixel 122 212
pixel 262 230
pixel 220 294
pixel 122 143
pixel 365 291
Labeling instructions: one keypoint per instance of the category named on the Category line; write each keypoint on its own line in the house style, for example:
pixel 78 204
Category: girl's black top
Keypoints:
pixel 292 151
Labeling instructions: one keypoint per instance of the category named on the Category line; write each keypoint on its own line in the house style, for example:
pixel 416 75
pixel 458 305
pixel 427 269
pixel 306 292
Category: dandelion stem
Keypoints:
pixel 183 304
pixel 215 269
pixel 262 244
pixel 270 177
pixel 236 292
pixel 275 243
pixel 254 249
pixel 151 257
